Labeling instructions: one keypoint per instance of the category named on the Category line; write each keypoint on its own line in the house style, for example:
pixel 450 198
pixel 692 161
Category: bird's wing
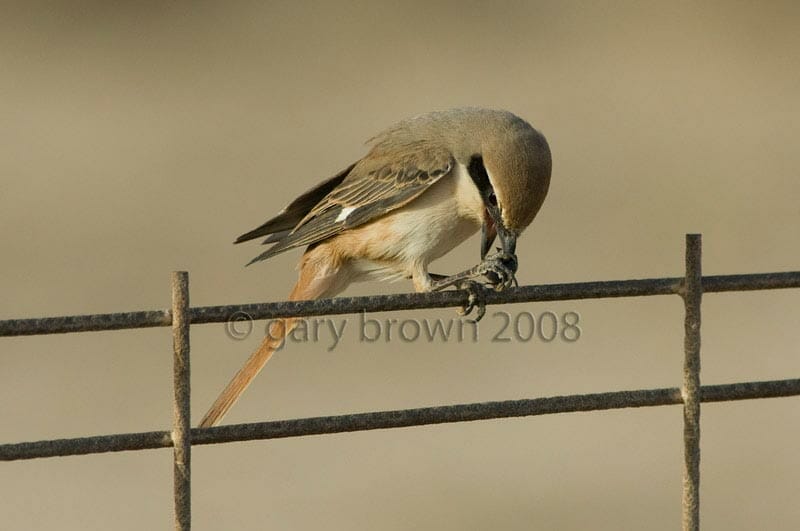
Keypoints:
pixel 289 217
pixel 377 184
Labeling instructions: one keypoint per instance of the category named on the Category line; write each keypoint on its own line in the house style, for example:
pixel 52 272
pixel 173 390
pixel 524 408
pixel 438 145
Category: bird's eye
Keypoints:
pixel 492 199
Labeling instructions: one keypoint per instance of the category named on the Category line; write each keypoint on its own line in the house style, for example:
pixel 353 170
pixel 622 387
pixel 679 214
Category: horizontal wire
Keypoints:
pixel 401 301
pixel 397 419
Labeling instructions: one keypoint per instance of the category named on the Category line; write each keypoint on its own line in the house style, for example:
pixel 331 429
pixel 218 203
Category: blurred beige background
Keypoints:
pixel 141 138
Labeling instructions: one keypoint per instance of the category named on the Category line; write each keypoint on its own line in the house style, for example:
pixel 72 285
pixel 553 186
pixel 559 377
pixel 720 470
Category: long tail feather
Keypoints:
pixel 277 334
pixel 318 278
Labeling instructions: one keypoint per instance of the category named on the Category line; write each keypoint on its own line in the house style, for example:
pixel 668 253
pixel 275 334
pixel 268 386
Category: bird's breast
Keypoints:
pixel 428 227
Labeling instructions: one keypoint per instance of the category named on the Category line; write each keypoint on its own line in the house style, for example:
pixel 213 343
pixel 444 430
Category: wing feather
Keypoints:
pixel 377 184
pixel 289 217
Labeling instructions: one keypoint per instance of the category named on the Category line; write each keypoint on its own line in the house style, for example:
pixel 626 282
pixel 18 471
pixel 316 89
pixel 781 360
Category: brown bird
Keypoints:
pixel 426 185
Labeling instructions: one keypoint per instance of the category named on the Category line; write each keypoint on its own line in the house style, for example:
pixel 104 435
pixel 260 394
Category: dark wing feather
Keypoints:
pixel 290 216
pixel 377 184
pixel 272 238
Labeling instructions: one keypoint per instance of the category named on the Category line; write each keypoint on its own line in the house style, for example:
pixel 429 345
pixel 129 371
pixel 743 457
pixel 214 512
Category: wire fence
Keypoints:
pixel 181 438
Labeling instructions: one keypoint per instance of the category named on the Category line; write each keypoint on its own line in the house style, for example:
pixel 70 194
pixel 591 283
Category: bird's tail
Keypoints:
pixel 311 285
pixel 278 331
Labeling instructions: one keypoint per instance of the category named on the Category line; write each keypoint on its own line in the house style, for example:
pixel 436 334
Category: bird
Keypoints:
pixel 425 185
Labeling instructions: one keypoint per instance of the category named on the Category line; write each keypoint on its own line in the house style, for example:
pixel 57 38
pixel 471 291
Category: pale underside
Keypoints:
pixel 402 244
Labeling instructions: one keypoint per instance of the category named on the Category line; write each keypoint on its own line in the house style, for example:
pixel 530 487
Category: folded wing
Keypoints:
pixel 372 187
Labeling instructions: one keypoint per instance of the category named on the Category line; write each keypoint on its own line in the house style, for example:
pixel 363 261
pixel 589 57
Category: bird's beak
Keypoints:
pixel 508 240
pixel 488 234
pixel 493 226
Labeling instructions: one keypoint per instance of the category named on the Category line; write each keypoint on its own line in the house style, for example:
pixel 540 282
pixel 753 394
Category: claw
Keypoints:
pixel 476 299
pixel 499 269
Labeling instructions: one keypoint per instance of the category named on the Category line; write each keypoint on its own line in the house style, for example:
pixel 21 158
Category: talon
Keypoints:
pixel 469 306
pixel 475 300
pixel 499 269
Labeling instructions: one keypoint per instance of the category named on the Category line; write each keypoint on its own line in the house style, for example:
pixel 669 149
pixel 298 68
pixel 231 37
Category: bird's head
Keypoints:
pixel 508 161
pixel 511 169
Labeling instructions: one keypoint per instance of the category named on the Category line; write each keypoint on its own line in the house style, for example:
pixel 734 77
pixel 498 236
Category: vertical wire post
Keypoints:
pixel 692 293
pixel 181 429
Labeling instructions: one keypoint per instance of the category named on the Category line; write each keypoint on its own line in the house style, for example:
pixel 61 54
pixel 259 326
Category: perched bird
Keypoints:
pixel 425 186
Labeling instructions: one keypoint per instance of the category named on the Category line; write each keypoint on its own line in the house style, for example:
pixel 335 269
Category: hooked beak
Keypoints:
pixel 493 227
pixel 488 234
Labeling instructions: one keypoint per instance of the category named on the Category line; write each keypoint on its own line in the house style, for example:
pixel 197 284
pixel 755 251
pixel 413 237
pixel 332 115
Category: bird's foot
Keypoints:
pixel 499 269
pixel 476 300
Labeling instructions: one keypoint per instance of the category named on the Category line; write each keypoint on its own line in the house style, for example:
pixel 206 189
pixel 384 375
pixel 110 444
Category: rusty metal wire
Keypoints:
pixel 181 424
pixel 403 418
pixel 692 294
pixel 394 302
